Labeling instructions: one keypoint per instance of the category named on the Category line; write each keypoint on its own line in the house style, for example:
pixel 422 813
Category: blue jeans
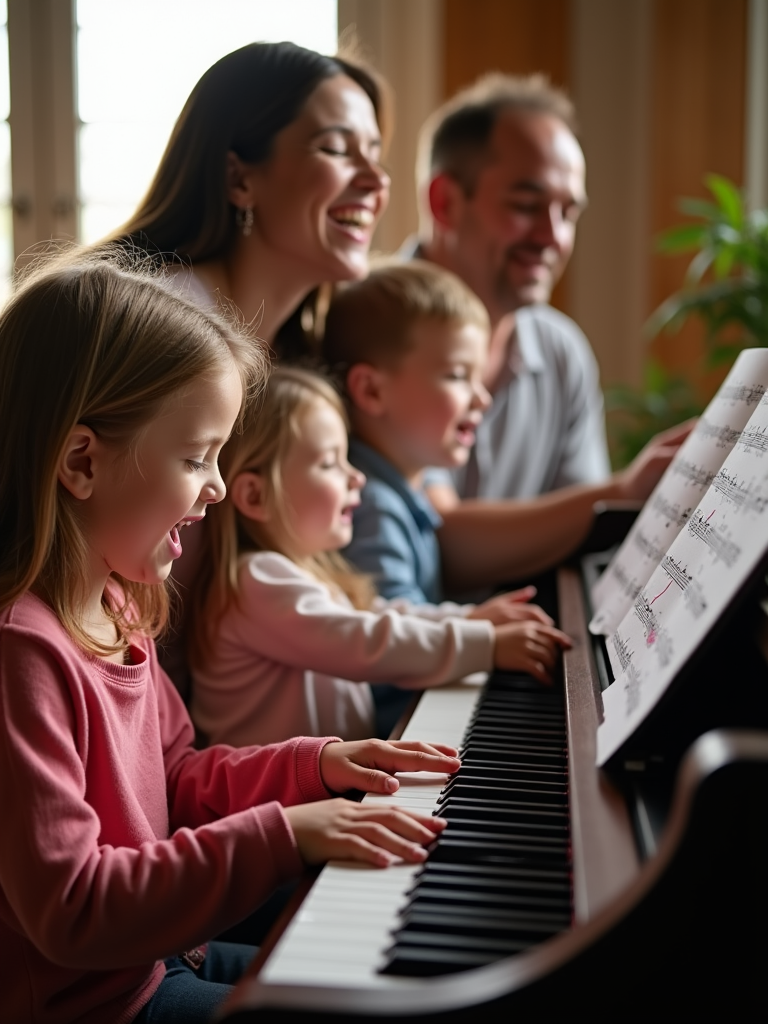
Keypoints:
pixel 186 996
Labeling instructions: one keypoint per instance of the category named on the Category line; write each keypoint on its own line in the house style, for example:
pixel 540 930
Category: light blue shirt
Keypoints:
pixel 394 538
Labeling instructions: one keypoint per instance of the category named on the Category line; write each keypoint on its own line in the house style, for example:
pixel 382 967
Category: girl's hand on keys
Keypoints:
pixel 511 607
pixel 368 765
pixel 529 647
pixel 378 835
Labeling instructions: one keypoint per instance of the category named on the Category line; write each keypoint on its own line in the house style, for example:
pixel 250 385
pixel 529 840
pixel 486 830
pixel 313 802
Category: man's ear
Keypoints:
pixel 366 387
pixel 247 494
pixel 241 190
pixel 78 463
pixel 445 196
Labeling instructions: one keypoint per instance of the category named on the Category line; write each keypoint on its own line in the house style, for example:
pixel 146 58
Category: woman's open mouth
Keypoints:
pixel 355 221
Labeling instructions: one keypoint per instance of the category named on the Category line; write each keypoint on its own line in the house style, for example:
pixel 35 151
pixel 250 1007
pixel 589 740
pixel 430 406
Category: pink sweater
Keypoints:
pixel 122 845
pixel 291 657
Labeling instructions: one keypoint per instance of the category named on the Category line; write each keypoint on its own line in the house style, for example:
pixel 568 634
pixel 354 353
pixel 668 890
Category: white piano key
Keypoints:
pixel 344 925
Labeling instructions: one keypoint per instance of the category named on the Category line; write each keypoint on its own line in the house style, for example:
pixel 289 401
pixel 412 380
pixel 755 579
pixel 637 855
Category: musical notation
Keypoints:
pixel 721 547
pixel 647 547
pixel 699 476
pixel 749 394
pixel 757 440
pixel 722 436
pixel 710 556
pixel 742 495
pixel 668 511
pixel 623 651
pixel 728 423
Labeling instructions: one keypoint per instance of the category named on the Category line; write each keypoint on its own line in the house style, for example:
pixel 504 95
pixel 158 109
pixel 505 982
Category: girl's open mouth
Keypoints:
pixel 173 534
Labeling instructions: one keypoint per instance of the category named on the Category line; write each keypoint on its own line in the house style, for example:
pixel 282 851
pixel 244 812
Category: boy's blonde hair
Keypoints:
pixel 93 340
pixel 269 429
pixel 370 321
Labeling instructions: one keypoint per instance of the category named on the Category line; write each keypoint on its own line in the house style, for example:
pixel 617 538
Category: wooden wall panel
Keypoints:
pixel 516 36
pixel 694 72
pixel 698 116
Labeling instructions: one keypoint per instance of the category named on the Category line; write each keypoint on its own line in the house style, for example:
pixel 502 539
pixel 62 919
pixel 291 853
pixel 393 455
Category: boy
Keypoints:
pixel 413 379
pixel 410 342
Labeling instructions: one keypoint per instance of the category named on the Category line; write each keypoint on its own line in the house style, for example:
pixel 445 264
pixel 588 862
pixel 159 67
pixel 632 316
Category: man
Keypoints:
pixel 502 188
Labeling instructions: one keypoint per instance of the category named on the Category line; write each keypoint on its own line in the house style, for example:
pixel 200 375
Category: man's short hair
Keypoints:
pixel 455 138
pixel 370 321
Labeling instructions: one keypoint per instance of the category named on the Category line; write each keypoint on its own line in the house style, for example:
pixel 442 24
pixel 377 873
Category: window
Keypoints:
pixel 137 61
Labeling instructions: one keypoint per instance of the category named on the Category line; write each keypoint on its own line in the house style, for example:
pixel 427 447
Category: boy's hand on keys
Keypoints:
pixel 529 647
pixel 511 607
pixel 368 765
pixel 342 830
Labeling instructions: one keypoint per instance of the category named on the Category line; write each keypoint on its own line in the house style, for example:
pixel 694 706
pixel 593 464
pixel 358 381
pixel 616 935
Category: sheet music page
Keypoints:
pixel 680 489
pixel 723 540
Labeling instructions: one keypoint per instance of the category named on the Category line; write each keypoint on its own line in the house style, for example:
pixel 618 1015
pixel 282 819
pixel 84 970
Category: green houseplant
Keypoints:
pixel 726 286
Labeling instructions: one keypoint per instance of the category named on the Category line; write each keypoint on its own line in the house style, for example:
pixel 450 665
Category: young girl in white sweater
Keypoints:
pixel 285 634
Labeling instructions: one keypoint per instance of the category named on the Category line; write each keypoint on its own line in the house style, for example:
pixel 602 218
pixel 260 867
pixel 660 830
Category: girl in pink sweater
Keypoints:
pixel 123 846
pixel 285 633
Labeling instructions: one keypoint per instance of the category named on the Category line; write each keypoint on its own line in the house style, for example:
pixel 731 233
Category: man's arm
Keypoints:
pixel 485 542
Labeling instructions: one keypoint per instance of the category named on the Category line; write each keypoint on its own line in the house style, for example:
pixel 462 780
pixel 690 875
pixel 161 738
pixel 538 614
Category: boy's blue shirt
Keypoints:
pixel 394 537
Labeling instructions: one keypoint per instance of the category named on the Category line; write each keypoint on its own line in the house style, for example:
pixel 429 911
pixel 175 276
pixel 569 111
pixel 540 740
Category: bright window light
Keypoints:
pixel 137 61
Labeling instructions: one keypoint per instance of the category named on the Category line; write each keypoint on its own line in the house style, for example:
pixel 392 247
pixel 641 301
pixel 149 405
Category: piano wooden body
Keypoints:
pixel 669 855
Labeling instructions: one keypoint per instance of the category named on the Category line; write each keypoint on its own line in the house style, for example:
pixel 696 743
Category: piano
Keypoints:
pixel 559 891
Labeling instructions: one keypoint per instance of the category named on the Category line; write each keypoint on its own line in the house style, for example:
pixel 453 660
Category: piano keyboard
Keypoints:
pixel 497 880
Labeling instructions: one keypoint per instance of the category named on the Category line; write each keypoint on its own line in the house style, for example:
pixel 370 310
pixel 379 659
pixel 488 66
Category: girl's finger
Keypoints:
pixel 380 837
pixel 416 828
pixel 429 748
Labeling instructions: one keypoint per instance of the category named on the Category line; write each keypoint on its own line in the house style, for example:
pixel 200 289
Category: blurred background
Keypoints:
pixel 666 92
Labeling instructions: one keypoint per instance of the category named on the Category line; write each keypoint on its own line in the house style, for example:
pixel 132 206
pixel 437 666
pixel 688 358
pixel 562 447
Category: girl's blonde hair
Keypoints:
pixel 268 431
pixel 95 340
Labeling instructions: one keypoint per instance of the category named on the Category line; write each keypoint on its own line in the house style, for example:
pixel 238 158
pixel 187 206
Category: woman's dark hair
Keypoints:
pixel 239 105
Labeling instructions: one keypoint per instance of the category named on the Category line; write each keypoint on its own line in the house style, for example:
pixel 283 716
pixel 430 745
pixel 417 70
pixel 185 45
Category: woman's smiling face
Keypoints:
pixel 322 190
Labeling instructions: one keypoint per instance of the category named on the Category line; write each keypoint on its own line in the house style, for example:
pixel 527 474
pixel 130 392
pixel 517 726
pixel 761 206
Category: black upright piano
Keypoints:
pixel 560 891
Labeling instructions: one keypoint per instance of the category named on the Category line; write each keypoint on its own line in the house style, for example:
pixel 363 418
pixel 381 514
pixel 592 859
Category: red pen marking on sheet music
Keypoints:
pixel 663 591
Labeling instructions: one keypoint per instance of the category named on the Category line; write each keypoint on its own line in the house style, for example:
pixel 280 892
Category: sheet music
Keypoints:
pixel 677 494
pixel 722 541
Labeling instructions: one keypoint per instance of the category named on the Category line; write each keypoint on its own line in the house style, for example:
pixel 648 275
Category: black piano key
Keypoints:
pixel 476 923
pixel 440 895
pixel 498 880
pixel 413 962
pixel 467 879
pixel 472 874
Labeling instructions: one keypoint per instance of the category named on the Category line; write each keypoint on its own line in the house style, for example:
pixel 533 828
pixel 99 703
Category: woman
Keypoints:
pixel 271 182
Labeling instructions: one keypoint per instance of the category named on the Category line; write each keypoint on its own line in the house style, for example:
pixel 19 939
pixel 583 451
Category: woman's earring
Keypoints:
pixel 244 219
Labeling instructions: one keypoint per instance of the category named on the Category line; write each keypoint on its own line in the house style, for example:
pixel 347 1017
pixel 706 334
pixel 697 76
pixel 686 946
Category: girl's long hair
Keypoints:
pixel 269 428
pixel 98 341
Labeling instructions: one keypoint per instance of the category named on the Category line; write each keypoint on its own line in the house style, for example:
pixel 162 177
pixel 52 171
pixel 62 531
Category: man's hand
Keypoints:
pixel 640 477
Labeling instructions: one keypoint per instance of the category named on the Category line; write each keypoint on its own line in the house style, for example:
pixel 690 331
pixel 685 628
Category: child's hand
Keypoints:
pixel 511 607
pixel 368 764
pixel 342 830
pixel 529 647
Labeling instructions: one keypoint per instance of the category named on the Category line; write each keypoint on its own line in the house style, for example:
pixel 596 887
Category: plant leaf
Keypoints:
pixel 682 238
pixel 699 208
pixel 728 198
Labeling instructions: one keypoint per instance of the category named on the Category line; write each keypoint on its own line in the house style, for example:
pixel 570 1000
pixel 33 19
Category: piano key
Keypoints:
pixel 517 838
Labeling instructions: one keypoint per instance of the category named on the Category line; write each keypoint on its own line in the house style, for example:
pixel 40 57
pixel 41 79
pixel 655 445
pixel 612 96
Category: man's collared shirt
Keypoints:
pixel 546 426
